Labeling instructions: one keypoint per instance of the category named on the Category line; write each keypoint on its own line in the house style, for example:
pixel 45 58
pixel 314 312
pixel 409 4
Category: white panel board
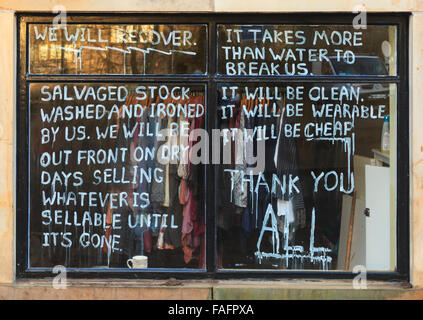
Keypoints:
pixel 358 242
pixel 378 223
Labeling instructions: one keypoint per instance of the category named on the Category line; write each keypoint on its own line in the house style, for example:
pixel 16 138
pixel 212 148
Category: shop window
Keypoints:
pixel 212 146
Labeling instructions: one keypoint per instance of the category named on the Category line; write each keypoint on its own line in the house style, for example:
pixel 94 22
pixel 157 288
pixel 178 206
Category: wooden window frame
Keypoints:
pixel 211 79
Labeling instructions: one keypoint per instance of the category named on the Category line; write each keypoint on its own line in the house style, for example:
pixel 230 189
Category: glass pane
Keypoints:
pixel 299 165
pixel 117 49
pixel 110 177
pixel 337 50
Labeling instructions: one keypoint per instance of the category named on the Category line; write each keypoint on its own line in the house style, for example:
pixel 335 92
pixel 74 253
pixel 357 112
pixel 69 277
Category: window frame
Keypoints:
pixel 211 79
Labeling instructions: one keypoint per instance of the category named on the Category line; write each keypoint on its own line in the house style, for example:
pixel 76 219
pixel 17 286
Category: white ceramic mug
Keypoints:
pixel 137 262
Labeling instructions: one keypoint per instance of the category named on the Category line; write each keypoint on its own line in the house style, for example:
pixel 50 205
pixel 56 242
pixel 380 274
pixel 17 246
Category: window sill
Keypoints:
pixel 209 289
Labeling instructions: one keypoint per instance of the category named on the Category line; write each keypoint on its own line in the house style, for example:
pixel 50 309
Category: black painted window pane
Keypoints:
pixel 295 159
pixel 117 49
pixel 108 183
pixel 299 50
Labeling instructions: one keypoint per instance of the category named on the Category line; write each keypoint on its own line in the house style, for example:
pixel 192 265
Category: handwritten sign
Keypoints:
pixel 117 49
pixel 106 167
pixel 274 50
pixel 292 159
pixel 117 168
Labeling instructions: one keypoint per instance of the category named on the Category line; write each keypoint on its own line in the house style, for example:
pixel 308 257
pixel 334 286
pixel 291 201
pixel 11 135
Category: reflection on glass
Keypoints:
pixel 264 50
pixel 303 160
pixel 110 177
pixel 371 66
pixel 117 49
